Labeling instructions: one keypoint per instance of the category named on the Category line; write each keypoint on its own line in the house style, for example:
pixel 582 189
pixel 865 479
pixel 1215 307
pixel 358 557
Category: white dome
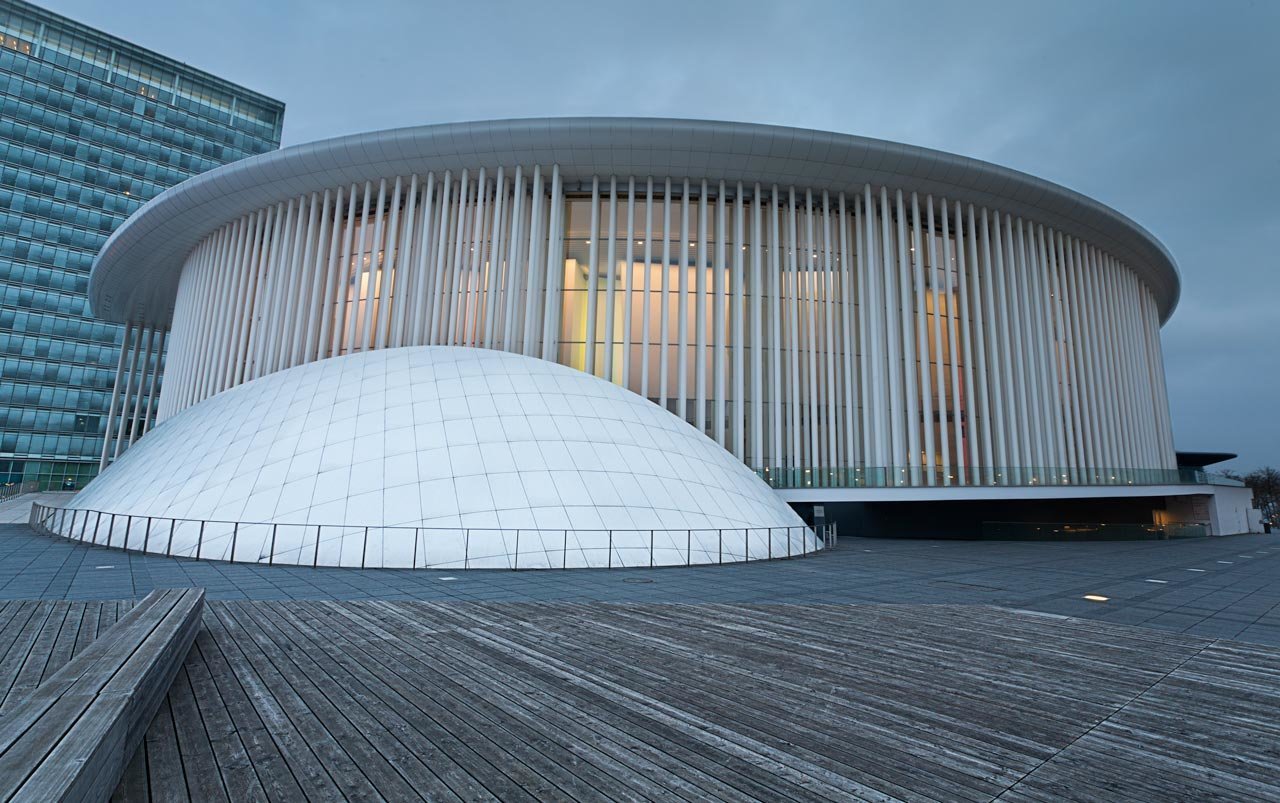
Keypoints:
pixel 438 456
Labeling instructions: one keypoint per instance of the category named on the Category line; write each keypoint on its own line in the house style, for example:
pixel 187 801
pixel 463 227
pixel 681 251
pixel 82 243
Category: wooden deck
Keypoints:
pixel 405 700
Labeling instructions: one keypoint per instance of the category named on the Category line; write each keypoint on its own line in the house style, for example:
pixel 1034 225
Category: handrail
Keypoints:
pixel 15 489
pixel 426 547
pixel 798 478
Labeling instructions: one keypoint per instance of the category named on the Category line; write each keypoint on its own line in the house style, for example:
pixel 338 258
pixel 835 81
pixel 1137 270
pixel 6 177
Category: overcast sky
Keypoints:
pixel 1166 110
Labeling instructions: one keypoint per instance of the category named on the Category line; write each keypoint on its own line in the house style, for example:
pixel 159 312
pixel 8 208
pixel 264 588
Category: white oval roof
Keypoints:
pixel 135 276
pixel 435 437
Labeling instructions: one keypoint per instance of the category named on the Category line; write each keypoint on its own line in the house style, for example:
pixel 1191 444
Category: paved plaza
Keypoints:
pixel 1215 587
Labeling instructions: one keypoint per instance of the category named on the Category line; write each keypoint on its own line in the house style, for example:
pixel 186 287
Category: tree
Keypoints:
pixel 1265 483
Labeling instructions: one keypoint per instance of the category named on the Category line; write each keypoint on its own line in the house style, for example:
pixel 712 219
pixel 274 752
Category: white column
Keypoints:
pixel 795 456
pixel 775 278
pixel 907 322
pixel 849 338
pixel 152 388
pixel 738 325
pixel 593 274
pixel 938 270
pixel 1100 459
pixel 757 335
pixel 718 279
pixel 922 338
pixel 469 319
pixel 1006 445
pixel 775 331
pixel 301 281
pixel 387 265
pixel 326 276
pixel 981 271
pixel 953 345
pixel 1060 353
pixel 555 269
pixel 966 255
pixel 108 434
pixel 700 317
pixel 682 311
pixel 645 300
pixel 533 256
pixel 224 278
pixel 406 274
pixel 438 259
pixel 255 259
pixel 513 276
pixel 281 272
pixel 871 412
pixel 149 335
pixel 1017 354
pixel 128 390
pixel 809 306
pixel 628 298
pixel 664 308
pixel 610 281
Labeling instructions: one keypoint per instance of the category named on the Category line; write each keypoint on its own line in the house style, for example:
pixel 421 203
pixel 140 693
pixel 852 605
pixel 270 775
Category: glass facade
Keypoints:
pixel 91 128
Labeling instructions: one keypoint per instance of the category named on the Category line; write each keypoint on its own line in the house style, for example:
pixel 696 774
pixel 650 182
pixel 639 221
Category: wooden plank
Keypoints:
pixel 339 750
pixel 694 690
pixel 451 718
pixel 613 745
pixel 166 779
pixel 278 747
pixel 384 733
pixel 18 650
pixel 200 768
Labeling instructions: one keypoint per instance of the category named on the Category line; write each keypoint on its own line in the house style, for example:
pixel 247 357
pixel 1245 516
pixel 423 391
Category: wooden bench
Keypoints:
pixel 71 739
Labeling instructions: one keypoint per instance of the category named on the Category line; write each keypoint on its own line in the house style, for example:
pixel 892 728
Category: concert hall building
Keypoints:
pixel 912 341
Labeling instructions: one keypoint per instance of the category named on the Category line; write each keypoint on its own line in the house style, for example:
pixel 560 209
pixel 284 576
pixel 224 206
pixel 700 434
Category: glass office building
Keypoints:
pixel 91 127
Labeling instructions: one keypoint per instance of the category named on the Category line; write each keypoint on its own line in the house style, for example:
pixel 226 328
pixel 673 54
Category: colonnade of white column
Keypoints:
pixel 132 409
pixel 888 336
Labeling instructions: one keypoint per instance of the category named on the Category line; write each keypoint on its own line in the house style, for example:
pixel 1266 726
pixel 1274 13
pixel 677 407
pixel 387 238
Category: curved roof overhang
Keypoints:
pixel 135 276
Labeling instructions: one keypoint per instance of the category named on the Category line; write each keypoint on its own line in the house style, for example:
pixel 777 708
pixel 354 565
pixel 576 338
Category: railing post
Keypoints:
pixel 515 566
pixel 97 522
pixel 200 539
pixel 235 533
pixel 128 526
pixel 111 529
pixel 788 542
pixel 364 550
pixel 720 543
pixel 414 564
pixel 651 549
pixel 769 549
pixel 688 547
pixel 146 535
pixel 466 548
pixel 746 544
pixel 610 549
pixel 84 525
pixel 315 559
pixel 564 557
pixel 271 556
pixel 168 550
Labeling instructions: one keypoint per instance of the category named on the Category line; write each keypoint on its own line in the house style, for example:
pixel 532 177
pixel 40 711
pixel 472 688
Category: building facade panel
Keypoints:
pixel 91 127
pixel 875 336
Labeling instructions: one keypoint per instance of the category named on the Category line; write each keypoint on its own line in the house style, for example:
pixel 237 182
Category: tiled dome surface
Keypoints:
pixel 469 443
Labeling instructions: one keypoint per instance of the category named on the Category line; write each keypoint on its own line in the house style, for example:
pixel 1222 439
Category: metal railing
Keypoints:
pixel 13 490
pixel 426 547
pixel 924 476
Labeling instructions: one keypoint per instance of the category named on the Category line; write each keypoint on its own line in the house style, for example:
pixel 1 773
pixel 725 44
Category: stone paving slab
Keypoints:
pixel 1204 585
